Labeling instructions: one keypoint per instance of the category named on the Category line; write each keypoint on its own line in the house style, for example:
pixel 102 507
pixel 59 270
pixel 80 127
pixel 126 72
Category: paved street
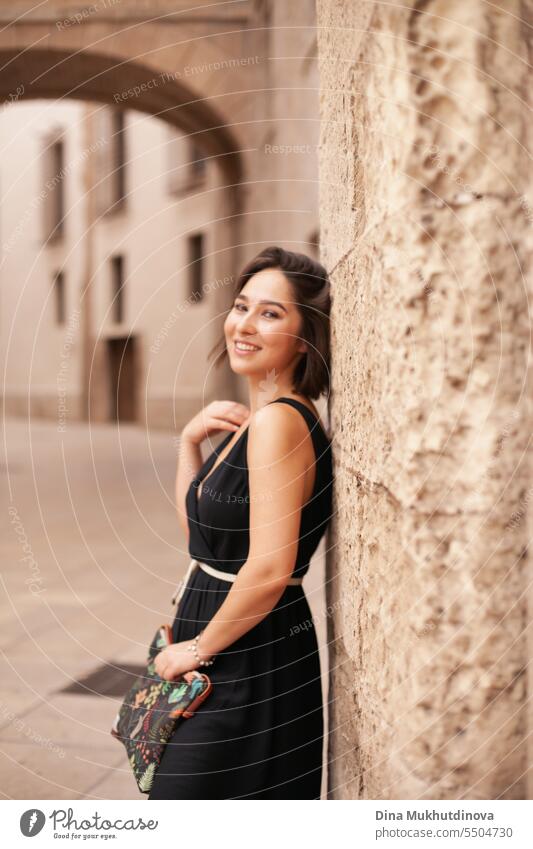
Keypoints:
pixel 92 553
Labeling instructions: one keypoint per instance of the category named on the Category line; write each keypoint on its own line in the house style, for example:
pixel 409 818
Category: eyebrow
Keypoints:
pixel 244 298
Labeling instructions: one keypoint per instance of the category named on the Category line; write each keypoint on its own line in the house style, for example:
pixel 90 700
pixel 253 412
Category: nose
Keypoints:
pixel 246 324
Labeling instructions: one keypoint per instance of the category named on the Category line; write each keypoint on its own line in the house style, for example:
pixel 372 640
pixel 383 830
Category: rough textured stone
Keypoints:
pixel 426 227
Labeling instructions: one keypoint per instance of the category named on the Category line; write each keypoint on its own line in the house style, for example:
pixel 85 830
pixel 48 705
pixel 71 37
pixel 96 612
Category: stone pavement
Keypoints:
pixel 91 554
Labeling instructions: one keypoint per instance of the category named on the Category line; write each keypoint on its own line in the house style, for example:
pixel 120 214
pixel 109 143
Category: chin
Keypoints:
pixel 238 365
pixel 239 368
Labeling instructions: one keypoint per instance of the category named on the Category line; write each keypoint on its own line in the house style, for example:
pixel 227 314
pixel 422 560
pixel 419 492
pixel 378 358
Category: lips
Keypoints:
pixel 248 348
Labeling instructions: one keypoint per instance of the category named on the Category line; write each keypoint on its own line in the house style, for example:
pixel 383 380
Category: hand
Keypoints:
pixel 216 416
pixel 175 660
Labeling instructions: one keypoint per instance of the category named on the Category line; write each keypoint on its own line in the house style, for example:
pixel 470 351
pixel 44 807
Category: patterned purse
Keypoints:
pixel 151 709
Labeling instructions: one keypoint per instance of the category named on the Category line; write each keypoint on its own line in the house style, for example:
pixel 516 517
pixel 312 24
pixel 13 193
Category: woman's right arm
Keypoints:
pixel 189 463
pixel 216 416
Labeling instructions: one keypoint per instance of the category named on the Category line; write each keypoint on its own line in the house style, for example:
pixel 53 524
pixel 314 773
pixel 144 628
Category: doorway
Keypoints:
pixel 122 369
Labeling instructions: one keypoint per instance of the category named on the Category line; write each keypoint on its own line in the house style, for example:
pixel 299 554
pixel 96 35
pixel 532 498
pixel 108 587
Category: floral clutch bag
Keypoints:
pixel 151 709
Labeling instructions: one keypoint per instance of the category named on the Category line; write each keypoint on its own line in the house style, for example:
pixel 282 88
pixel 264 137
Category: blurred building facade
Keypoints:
pixel 132 196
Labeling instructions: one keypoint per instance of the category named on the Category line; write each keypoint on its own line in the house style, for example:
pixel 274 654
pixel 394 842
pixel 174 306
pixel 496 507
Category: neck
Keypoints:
pixel 261 392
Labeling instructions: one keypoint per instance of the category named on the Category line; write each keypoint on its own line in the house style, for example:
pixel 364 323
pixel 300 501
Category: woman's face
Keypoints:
pixel 265 317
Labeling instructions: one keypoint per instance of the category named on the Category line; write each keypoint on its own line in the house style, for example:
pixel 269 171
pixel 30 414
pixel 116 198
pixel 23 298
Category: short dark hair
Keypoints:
pixel 310 283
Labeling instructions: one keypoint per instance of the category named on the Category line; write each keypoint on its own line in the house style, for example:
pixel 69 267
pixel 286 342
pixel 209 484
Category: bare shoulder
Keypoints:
pixel 276 428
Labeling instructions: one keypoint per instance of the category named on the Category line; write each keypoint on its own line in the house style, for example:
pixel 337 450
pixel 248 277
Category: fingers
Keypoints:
pixel 236 415
pixel 224 424
pixel 164 674
pixel 222 415
pixel 160 665
pixel 231 412
pixel 172 661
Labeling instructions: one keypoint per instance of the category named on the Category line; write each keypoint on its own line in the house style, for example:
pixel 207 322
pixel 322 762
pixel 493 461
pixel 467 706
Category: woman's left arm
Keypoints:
pixel 277 462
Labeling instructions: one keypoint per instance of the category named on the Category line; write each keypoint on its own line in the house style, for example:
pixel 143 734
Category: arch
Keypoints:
pixel 85 75
pixel 28 73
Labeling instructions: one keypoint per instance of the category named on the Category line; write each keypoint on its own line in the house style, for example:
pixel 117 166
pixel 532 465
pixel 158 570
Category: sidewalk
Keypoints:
pixel 92 552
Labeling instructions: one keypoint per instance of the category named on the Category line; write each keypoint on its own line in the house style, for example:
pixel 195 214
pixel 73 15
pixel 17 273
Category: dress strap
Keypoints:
pixel 312 420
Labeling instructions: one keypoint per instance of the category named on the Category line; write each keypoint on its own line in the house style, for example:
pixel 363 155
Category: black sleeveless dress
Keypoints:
pixel 259 734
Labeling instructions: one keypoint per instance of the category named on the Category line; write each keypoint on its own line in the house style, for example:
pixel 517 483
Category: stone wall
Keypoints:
pixel 426 214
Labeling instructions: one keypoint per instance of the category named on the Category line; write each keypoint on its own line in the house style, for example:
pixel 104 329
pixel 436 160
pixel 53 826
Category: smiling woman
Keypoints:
pixel 281 308
pixel 256 510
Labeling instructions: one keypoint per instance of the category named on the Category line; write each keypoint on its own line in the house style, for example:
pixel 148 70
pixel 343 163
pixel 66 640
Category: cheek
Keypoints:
pixel 283 337
pixel 229 325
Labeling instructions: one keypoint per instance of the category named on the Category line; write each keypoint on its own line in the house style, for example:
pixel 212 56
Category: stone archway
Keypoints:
pixel 124 83
pixel 85 75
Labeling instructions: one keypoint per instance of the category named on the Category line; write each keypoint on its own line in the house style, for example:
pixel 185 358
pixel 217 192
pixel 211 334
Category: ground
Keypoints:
pixel 92 552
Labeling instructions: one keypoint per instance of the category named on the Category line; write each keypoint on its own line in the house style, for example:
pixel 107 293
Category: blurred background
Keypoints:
pixel 148 152
pixel 149 149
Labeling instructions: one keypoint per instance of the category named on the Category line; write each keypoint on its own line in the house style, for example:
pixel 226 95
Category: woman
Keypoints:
pixel 253 514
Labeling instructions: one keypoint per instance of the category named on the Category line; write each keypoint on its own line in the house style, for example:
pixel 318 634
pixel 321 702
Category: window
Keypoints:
pixel 196 266
pixel 117 291
pixel 54 189
pixel 110 160
pixel 118 140
pixel 198 163
pixel 59 296
pixel 186 164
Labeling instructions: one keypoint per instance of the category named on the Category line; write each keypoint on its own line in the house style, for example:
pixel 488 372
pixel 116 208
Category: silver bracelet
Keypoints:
pixel 194 648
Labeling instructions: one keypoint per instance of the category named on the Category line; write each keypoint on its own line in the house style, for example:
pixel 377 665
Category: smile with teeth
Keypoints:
pixel 245 346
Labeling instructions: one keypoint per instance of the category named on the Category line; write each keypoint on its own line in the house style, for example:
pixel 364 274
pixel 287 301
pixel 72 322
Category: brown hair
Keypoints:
pixel 310 284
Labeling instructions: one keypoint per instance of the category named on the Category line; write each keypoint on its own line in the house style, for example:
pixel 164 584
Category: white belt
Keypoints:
pixel 216 573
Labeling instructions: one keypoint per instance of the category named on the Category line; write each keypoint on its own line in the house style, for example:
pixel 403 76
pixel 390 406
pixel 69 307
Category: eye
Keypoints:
pixel 266 312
